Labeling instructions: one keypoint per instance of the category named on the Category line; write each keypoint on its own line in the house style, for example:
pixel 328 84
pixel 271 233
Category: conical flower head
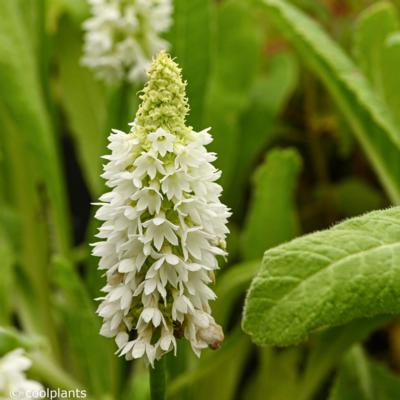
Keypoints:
pixel 164 103
pixel 164 226
pixel 122 36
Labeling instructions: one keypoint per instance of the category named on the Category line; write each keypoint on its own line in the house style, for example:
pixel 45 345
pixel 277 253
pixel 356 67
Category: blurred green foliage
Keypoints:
pixel 303 99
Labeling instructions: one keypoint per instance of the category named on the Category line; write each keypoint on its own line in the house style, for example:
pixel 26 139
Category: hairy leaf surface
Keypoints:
pixel 325 279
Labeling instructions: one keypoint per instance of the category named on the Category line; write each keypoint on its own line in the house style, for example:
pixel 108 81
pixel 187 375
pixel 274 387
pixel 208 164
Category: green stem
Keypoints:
pixel 157 380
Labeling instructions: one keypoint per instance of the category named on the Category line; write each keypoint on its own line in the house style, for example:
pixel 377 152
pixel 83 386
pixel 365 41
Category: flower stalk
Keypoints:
pixel 158 380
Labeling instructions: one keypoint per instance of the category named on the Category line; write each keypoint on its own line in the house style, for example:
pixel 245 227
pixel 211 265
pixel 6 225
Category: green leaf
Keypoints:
pixel 216 375
pixel 328 349
pixel 90 353
pixel 11 339
pixel 277 377
pixel 270 93
pixel 272 218
pixel 7 258
pixel 84 103
pixel 191 39
pixel 26 233
pixel 325 279
pixel 25 107
pixel 354 380
pixel 353 196
pixel 365 113
pixel 391 78
pixel 231 284
pixel 376 43
pixel 362 379
pixel 372 28
pixel 236 62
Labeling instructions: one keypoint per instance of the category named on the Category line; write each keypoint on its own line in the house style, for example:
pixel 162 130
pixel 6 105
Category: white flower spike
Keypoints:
pixel 164 226
pixel 13 382
pixel 123 35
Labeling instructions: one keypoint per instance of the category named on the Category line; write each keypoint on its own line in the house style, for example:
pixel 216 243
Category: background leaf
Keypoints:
pixel 90 353
pixel 361 379
pixel 84 103
pixel 236 62
pixel 374 25
pixel 366 114
pixel 272 218
pixel 26 108
pixel 258 124
pixel 192 37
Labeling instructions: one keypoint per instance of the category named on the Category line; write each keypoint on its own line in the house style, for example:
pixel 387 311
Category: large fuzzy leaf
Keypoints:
pixel 366 114
pixel 325 279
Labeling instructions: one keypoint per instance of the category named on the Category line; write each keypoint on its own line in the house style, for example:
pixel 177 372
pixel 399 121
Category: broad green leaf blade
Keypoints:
pixel 364 111
pixel 272 217
pixel 236 62
pixel 191 39
pixel 362 379
pixel 325 279
pixel 372 28
pixel 84 103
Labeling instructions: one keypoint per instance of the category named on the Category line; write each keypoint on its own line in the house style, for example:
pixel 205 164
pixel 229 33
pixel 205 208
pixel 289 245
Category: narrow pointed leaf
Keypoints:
pixel 365 112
